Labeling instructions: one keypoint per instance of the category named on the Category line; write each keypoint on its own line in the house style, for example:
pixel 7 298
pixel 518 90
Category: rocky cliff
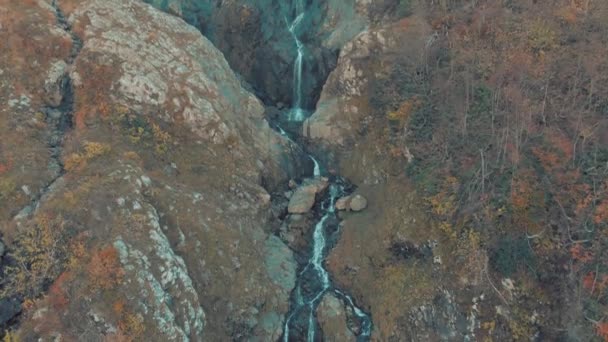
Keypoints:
pixel 132 180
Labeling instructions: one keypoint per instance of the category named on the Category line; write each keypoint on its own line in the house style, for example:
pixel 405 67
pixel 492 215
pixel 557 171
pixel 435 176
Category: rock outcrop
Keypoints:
pixel 152 197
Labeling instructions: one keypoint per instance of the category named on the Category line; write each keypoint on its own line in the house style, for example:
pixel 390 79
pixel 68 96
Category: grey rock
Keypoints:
pixel 54 114
pixel 358 203
pixel 53 84
pixel 354 203
pixel 280 264
pixel 304 197
pixel 442 318
pixel 343 203
pixel 9 308
pixel 292 184
pixel 301 202
pixel 272 326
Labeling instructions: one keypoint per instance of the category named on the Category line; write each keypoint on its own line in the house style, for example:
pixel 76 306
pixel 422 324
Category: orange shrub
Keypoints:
pixel 104 268
pixel 57 294
pixel 602 330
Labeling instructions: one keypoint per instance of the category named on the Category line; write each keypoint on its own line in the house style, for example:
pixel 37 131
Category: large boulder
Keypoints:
pixel 303 199
pixel 333 319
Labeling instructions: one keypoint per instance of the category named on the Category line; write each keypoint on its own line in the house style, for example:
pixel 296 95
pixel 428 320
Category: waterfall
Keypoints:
pixel 313 281
pixel 297 113
pixel 317 170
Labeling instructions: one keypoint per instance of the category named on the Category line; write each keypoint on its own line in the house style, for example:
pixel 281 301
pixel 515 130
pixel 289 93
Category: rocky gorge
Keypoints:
pixel 300 170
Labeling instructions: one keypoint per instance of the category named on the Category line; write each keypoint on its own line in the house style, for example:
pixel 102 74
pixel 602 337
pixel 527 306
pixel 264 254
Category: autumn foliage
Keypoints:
pixel 92 150
pixel 514 109
pixel 6 166
pixel 57 294
pixel 104 269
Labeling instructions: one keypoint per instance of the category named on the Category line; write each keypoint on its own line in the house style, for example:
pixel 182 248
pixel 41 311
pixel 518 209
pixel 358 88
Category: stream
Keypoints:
pixel 313 280
pixel 297 113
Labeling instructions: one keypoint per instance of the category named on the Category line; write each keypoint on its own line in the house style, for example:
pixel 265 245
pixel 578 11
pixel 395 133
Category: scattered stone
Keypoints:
pixel 54 114
pixel 146 180
pixel 353 203
pixel 441 319
pixel 316 185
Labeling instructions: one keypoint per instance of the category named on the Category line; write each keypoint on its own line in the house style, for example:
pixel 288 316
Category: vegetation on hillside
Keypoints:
pixel 507 122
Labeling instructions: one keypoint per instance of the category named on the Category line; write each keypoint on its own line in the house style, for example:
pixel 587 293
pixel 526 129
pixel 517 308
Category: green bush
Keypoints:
pixel 512 254
pixel 422 123
pixel 404 8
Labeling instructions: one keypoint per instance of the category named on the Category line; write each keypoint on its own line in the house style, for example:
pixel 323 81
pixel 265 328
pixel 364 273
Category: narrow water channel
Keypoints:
pixel 313 280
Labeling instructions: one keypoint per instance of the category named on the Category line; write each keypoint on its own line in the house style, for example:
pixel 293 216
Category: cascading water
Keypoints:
pixel 313 281
pixel 297 113
pixel 317 169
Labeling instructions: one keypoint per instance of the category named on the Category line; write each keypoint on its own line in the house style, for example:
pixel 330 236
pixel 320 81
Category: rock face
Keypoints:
pixel 151 193
pixel 332 318
pixel 24 66
pixel 348 95
pixel 304 196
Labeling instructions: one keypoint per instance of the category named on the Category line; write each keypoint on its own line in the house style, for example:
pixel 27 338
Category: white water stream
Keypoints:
pixel 297 113
pixel 305 300
pixel 313 281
